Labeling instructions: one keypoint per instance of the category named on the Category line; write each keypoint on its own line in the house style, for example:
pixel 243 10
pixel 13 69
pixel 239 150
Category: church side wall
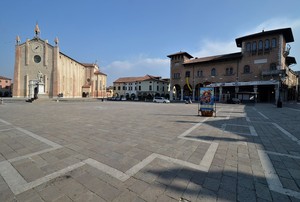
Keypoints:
pixel 72 76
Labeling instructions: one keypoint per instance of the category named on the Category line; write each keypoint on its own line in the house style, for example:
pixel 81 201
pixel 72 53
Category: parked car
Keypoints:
pixel 161 100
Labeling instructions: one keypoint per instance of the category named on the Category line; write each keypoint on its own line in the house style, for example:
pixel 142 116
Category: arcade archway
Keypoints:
pixel 176 92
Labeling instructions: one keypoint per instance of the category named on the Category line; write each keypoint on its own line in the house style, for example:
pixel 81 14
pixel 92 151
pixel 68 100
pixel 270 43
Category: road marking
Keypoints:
pixel 251 129
pixel 33 154
pixel 6 129
pixel 271 176
pixel 5 122
pixel 44 140
pixel 210 153
pixel 185 133
pixel 17 183
pixel 12 177
pixel 293 109
pixel 107 169
pixel 260 113
pixel 285 155
pixel 209 156
pixel 287 133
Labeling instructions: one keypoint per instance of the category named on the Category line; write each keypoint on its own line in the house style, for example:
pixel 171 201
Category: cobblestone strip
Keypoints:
pixel 188 131
pixel 53 145
pixel 17 183
pixel 251 129
pixel 287 133
pixel 210 153
pixel 6 129
pixel 5 122
pixel 260 113
pixel 271 176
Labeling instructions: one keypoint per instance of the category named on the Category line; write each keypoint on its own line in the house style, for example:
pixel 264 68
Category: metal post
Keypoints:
pixel 279 102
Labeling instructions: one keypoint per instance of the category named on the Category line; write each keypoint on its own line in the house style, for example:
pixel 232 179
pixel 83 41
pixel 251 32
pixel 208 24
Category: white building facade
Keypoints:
pixel 145 87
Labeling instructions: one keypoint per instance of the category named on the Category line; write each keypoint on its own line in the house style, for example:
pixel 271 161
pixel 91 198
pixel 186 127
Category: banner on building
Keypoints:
pixel 207 99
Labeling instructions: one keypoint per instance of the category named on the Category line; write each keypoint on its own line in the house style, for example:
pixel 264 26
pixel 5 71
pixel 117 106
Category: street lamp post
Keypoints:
pixel 279 101
pixel 214 95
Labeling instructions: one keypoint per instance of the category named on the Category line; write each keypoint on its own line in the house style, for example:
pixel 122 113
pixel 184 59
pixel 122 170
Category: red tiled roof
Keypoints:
pixel 5 78
pixel 180 53
pixel 136 79
pixel 98 72
pixel 214 58
pixel 88 64
pixel 286 32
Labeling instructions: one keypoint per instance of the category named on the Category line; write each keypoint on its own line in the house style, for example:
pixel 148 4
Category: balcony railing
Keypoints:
pixel 272 72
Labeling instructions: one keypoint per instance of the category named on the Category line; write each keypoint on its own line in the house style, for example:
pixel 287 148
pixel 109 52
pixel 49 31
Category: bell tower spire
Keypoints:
pixel 37 30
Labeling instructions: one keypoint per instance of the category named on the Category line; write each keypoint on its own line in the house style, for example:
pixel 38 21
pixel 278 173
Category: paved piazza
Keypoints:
pixel 128 151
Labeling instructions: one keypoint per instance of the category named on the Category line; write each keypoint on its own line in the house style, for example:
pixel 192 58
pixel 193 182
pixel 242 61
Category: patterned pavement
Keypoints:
pixel 131 151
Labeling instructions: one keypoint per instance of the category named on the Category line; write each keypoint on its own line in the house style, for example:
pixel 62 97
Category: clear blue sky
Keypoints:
pixel 133 37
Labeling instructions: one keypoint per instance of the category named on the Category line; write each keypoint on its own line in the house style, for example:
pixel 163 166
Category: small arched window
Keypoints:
pixel 254 47
pixel 213 72
pixel 274 43
pixel 273 66
pixel 267 44
pixel 227 71
pixel 260 45
pixel 248 47
pixel 199 73
pixel 187 74
pixel 246 69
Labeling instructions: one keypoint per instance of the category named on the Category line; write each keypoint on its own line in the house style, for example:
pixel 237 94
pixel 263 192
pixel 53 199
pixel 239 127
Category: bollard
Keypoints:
pixel 1 101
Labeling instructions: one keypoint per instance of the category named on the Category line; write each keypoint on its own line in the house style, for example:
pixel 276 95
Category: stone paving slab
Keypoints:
pixel 131 151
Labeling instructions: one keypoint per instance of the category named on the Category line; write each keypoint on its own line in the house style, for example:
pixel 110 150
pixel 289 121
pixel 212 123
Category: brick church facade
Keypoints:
pixel 42 70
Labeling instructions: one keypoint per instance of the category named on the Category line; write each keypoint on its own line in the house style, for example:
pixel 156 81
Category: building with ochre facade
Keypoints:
pixel 260 72
pixel 5 86
pixel 41 70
